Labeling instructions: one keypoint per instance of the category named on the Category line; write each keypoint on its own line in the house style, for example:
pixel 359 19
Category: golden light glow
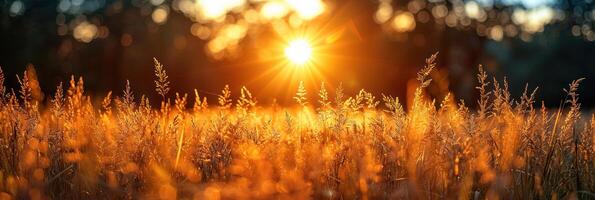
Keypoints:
pixel 274 10
pixel 159 15
pixel 299 52
pixel 404 22
pixel 307 9
pixel 217 9
pixel 85 32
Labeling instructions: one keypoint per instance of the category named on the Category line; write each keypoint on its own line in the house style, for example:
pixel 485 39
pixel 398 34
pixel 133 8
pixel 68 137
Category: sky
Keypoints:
pixel 376 45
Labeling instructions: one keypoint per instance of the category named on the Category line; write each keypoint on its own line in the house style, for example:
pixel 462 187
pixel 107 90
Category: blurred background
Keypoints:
pixel 378 45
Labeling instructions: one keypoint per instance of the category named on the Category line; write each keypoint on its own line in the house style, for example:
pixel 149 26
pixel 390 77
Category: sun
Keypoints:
pixel 299 52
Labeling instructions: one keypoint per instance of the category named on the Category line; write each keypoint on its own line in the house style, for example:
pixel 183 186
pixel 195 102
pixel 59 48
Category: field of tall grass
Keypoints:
pixel 336 146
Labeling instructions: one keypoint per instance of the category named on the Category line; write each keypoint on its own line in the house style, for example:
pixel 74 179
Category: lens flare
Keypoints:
pixel 299 52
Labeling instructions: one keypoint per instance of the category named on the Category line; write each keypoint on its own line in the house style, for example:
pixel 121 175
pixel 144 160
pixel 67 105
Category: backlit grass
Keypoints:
pixel 336 146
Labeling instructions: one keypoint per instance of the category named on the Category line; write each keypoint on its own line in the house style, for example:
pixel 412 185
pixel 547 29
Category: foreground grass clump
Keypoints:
pixel 335 147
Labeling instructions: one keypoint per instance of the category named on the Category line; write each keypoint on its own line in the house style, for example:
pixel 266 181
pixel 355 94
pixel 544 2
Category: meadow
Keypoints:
pixel 336 146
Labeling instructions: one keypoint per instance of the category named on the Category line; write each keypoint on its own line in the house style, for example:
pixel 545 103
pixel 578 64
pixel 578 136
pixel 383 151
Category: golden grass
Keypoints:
pixel 336 147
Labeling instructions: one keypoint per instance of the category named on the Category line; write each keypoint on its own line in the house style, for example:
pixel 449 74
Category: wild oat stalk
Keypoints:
pixel 325 105
pixel 145 106
pixel 426 70
pixel 527 100
pixel 198 104
pixel 341 108
pixel 572 99
pixel 356 103
pixel 128 98
pixel 225 98
pixel 323 94
pixel 75 98
pixel 424 81
pixel 58 99
pixel 339 96
pixel 300 95
pixel 395 109
pixel 106 103
pixel 392 104
pixel 161 84
pixel 26 90
pixel 246 101
pixel 484 95
pixel 572 92
pixel 371 102
pixel 181 102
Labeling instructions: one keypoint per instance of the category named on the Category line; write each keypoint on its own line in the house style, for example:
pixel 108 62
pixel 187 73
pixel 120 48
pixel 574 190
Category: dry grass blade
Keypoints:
pixel 323 95
pixel 484 95
pixel 128 98
pixel 26 91
pixel 161 84
pixel 300 95
pixel 225 98
pixel 422 75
